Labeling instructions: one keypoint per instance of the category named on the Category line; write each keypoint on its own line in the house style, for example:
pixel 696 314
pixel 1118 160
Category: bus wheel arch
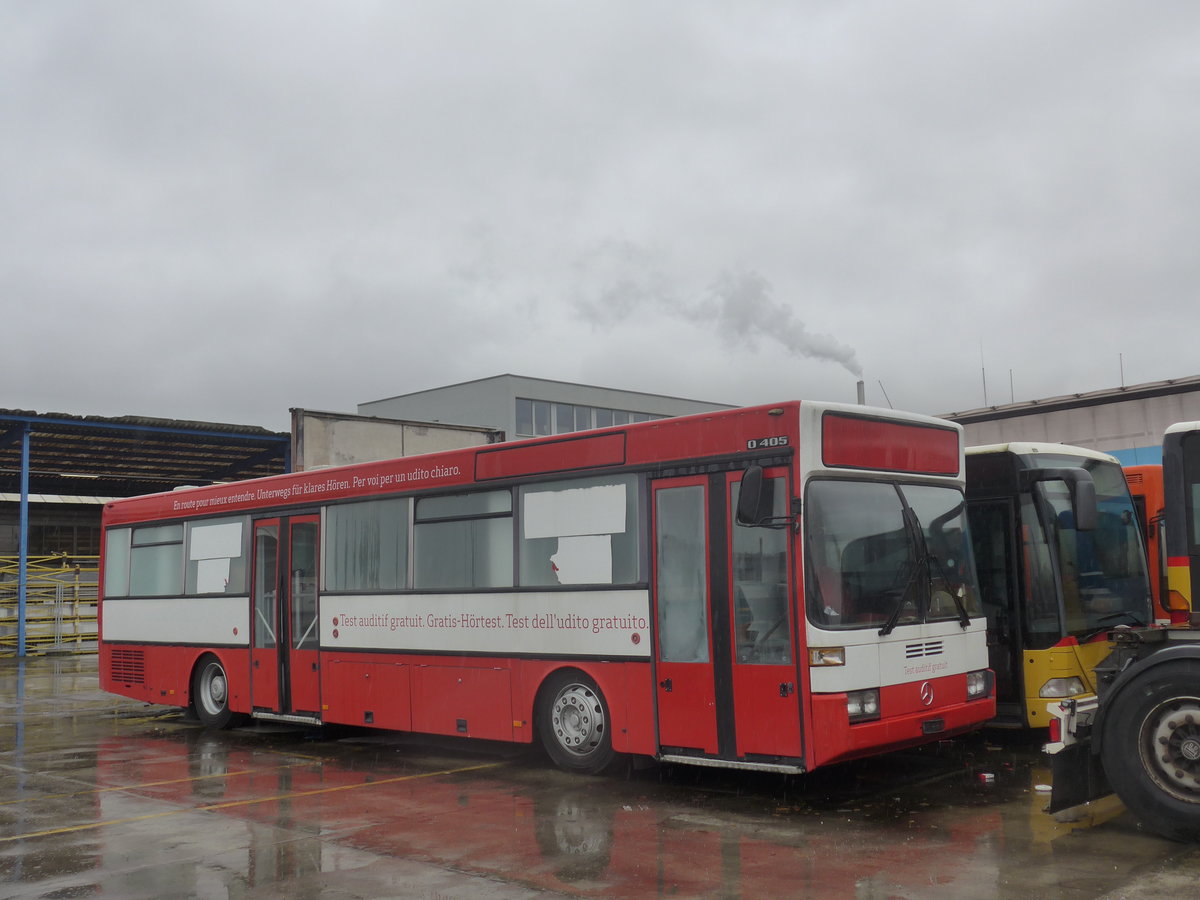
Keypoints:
pixel 1151 748
pixel 210 692
pixel 574 722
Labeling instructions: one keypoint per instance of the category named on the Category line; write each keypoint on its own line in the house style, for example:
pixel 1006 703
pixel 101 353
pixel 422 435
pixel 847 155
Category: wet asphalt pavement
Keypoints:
pixel 104 797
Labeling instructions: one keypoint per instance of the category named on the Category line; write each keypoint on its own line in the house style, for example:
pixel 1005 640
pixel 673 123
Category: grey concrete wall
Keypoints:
pixel 339 439
pixel 1132 430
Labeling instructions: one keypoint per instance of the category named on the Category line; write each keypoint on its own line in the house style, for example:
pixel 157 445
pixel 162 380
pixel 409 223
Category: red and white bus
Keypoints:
pixel 771 588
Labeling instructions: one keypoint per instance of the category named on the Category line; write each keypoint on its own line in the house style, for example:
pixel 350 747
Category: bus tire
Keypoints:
pixel 1151 749
pixel 574 724
pixel 210 693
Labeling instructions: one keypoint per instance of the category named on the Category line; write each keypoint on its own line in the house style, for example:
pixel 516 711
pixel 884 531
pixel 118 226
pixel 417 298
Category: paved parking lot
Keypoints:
pixel 102 797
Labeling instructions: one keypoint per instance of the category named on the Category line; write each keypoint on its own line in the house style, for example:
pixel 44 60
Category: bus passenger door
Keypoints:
pixel 285 657
pixel 264 653
pixel 303 665
pixel 993 537
pixel 686 692
pixel 766 684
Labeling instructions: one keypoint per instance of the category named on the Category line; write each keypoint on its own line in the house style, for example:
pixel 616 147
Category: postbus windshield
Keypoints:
pixel 884 555
pixel 1103 575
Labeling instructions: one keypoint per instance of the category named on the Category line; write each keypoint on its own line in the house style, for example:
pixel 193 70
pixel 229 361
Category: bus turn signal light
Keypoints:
pixel 826 656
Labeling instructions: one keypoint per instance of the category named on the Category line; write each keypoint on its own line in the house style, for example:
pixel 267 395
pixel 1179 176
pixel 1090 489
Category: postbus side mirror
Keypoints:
pixel 1083 502
pixel 754 501
pixel 1081 487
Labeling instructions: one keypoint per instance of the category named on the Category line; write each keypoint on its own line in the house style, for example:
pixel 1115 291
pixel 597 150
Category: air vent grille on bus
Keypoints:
pixel 1133 477
pixel 923 648
pixel 128 666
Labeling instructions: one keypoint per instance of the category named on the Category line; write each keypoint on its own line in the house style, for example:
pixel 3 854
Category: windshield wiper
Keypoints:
pixel 890 625
pixel 1124 614
pixel 913 529
pixel 1133 618
pixel 964 620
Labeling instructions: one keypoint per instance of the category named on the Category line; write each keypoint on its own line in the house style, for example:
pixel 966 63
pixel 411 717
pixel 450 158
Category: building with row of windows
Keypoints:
pixel 530 407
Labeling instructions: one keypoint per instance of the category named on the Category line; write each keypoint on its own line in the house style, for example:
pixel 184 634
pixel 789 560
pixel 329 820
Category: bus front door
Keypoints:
pixel 727 680
pixel 766 683
pixel 285 656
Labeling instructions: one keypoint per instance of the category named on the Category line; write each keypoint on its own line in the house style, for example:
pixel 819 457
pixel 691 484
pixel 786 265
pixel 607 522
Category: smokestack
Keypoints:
pixel 862 394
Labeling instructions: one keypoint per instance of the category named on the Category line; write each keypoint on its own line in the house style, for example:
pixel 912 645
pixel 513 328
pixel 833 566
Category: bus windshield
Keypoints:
pixel 1104 581
pixel 884 555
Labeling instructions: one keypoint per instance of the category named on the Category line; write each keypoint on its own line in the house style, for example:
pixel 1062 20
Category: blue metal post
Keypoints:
pixel 23 559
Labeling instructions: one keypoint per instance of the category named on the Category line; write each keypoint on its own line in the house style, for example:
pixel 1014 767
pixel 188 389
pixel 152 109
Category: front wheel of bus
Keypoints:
pixel 573 723
pixel 210 693
pixel 1151 749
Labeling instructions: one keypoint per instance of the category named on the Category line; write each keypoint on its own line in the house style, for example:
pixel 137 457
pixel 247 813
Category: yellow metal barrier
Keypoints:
pixel 60 604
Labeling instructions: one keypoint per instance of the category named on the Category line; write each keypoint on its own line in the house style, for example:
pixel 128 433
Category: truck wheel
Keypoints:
pixel 1151 749
pixel 210 693
pixel 574 724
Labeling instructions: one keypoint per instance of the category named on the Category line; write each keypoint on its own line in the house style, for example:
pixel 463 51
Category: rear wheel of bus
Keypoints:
pixel 210 693
pixel 574 724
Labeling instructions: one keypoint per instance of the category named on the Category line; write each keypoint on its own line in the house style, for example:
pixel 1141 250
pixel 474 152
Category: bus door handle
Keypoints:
pixel 786 689
pixel 666 685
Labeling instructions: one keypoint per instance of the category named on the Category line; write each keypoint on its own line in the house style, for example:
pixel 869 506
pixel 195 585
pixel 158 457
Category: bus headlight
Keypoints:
pixel 1063 687
pixel 979 684
pixel 862 706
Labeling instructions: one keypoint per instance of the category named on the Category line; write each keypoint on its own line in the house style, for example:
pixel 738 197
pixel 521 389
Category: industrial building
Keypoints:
pixel 1127 422
pixel 529 407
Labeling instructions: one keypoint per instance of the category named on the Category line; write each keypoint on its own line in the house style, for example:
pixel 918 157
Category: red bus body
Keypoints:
pixel 259 560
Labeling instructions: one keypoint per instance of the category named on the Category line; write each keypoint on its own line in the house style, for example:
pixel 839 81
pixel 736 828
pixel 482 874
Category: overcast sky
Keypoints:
pixel 219 211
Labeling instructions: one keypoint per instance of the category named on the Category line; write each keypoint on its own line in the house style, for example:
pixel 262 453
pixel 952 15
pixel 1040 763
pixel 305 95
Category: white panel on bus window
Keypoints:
pixel 212 576
pixel 577 511
pixel 584 559
pixel 223 539
pixel 202 621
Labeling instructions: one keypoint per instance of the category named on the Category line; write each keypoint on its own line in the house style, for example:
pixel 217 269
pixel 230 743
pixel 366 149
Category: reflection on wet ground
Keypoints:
pixel 101 797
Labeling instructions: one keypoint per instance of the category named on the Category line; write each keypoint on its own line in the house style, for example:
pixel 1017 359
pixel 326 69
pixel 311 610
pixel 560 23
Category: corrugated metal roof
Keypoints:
pixel 94 456
pixel 56 498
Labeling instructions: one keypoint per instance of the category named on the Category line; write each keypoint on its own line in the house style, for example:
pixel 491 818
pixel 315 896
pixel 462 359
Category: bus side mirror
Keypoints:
pixel 1083 502
pixel 1081 487
pixel 754 503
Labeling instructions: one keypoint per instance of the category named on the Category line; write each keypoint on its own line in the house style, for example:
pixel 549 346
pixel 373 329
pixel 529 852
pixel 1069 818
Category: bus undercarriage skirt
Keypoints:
pixel 782 768
pixel 286 717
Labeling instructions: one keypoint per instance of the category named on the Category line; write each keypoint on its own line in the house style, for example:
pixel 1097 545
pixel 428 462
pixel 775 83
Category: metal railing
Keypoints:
pixel 60 604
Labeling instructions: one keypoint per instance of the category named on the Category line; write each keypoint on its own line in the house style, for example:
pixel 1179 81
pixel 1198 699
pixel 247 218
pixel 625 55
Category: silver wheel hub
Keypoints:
pixel 1171 747
pixel 214 689
pixel 578 719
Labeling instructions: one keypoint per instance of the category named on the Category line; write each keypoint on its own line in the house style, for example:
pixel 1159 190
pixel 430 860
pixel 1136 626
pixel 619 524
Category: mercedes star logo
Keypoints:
pixel 926 693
